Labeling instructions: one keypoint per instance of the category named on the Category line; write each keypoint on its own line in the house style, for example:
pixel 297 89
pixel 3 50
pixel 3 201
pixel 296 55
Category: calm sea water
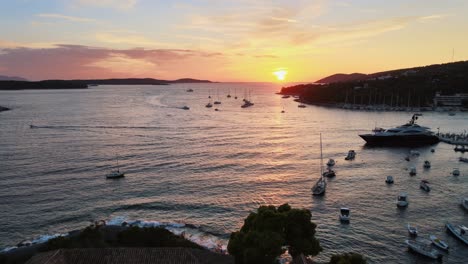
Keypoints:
pixel 211 168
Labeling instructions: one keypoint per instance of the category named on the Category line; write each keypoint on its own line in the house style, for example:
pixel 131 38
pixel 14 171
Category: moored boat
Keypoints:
pixel 424 185
pixel 321 185
pixel 389 179
pixel 402 200
pixel 407 134
pixel 423 249
pixel 115 174
pixel 459 232
pixel 438 242
pixel 412 230
pixel 412 171
pixel 456 172
pixel 344 214
pixel 462 159
pixel 464 203
pixel 427 164
pixel 351 155
pixel 331 163
pixel 329 173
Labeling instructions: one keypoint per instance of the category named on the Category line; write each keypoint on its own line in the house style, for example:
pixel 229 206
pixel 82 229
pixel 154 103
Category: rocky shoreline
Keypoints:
pixel 2 108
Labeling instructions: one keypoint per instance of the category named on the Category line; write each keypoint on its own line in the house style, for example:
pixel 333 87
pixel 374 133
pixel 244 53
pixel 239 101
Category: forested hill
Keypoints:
pixel 414 86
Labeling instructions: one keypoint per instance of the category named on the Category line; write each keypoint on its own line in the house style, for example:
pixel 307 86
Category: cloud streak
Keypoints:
pixel 65 17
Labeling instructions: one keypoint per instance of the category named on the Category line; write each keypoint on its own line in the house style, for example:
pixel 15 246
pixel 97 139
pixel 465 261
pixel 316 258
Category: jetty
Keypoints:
pixel 454 139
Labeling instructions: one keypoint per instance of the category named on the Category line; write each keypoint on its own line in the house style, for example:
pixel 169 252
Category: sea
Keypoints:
pixel 200 172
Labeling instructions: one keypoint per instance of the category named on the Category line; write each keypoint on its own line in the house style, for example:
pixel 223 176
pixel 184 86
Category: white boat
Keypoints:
pixel 464 203
pixel 329 173
pixel 246 104
pixel 459 232
pixel 115 174
pixel 331 163
pixel 344 214
pixel 425 185
pixel 460 148
pixel 351 155
pixel 412 230
pixel 402 200
pixel 321 185
pixel 407 134
pixel 456 172
pixel 439 243
pixel 424 249
pixel 427 164
pixel 412 171
pixel 389 179
pixel 463 159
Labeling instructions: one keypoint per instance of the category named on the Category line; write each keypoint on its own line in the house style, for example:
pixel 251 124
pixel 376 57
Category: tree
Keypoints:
pixel 348 258
pixel 264 233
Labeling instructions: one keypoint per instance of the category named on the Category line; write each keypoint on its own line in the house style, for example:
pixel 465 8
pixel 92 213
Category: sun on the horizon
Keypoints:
pixel 280 74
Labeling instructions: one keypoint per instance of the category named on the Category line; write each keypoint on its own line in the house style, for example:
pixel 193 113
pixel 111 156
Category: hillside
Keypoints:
pixel 341 77
pixel 11 78
pixel 403 87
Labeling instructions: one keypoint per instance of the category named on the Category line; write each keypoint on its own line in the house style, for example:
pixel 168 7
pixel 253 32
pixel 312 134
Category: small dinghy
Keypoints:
pixel 464 203
pixel 439 243
pixel 456 172
pixel 427 164
pixel 331 163
pixel 460 232
pixel 389 179
pixel 402 200
pixel 344 214
pixel 412 171
pixel 329 173
pixel 424 185
pixel 412 231
pixel 423 249
pixel 351 155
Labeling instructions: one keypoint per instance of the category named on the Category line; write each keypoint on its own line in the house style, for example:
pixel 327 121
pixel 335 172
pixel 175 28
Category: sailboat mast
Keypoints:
pixel 321 157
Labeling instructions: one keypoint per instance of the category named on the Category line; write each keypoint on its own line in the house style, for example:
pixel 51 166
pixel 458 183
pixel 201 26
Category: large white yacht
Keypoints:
pixel 407 134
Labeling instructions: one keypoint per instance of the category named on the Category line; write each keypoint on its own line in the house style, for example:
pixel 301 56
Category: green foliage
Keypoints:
pixel 348 258
pixel 263 234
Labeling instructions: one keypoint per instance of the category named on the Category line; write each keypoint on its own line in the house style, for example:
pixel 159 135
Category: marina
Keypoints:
pixel 206 184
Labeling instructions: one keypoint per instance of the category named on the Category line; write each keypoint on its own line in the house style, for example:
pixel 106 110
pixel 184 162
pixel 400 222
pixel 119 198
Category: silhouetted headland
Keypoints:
pixel 411 87
pixel 83 84
pixel 2 108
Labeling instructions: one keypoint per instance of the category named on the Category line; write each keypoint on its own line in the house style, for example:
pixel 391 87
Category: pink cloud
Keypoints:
pixel 75 61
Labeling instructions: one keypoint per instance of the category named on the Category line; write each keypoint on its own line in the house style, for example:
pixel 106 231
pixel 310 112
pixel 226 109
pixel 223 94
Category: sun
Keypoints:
pixel 280 74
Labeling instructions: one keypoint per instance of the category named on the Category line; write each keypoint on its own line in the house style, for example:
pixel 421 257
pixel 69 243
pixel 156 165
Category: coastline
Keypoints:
pixel 2 108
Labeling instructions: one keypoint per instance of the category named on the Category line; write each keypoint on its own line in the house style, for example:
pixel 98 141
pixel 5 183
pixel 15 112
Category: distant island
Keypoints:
pixel 397 89
pixel 11 78
pixel 83 84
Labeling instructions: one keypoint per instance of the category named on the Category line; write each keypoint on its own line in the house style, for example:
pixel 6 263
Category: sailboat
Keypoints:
pixel 321 184
pixel 115 174
pixel 217 94
pixel 235 93
pixel 247 102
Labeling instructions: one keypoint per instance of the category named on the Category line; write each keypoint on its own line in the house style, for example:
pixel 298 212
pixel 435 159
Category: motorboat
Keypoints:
pixel 424 249
pixel 189 90
pixel 351 155
pixel 389 179
pixel 216 109
pixel 412 230
pixel 247 103
pixel 344 214
pixel 285 96
pixel 462 159
pixel 301 106
pixel 217 102
pixel 329 173
pixel 115 174
pixel 331 163
pixel 321 185
pixel 460 232
pixel 424 185
pixel 412 171
pixel 464 203
pixel 460 148
pixel 438 242
pixel 407 134
pixel 456 172
pixel 427 164
pixel 402 200
pixel 208 105
pixel 186 108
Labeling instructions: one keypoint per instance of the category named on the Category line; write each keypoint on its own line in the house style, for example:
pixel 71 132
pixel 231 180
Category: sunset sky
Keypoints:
pixel 236 40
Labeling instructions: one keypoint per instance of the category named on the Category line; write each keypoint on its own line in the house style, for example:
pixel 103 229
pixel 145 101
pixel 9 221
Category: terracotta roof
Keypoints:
pixel 130 256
